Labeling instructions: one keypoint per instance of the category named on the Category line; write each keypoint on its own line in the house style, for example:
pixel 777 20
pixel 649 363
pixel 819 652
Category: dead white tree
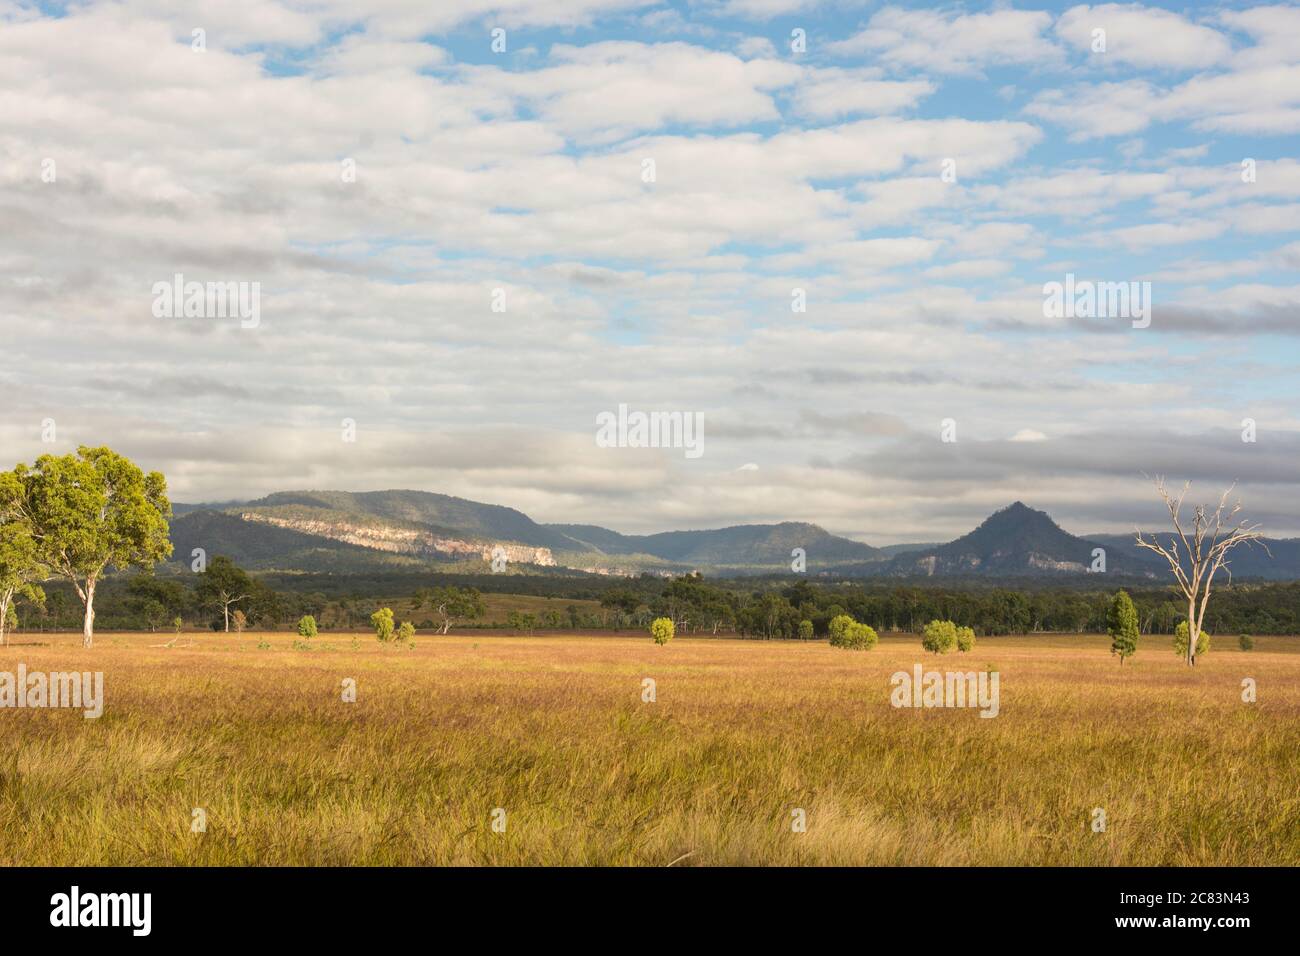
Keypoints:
pixel 1205 547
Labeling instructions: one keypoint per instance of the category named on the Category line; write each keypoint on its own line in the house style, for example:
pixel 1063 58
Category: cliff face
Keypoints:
pixel 406 540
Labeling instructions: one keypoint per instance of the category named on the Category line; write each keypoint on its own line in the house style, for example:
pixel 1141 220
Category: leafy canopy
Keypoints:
pixel 93 509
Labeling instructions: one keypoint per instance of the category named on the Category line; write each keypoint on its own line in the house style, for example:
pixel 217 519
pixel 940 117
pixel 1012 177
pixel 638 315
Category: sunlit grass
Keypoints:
pixel 554 731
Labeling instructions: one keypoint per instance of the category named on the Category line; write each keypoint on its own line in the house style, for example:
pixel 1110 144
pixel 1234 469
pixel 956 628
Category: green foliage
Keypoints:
pixel 452 604
pixel 519 621
pixel 154 600
pixel 939 637
pixel 222 586
pixel 91 510
pixel 307 626
pixel 805 630
pixel 860 637
pixel 769 616
pixel 1122 626
pixel 848 634
pixel 1246 642
pixel 662 630
pixel 382 621
pixel 1182 636
pixel 406 633
pixel 20 561
pixel 965 639
pixel 839 628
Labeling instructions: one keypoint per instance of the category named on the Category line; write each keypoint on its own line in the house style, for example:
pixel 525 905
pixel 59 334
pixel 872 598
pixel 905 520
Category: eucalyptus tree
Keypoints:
pixel 90 511
pixel 20 562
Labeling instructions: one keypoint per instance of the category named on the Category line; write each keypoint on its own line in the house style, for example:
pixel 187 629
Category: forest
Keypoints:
pixel 744 607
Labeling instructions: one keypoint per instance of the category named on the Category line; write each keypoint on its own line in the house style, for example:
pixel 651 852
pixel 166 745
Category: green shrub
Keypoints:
pixel 382 620
pixel 939 637
pixel 862 637
pixel 839 629
pixel 965 639
pixel 662 630
pixel 1246 642
pixel 307 626
pixel 805 631
pixel 406 632
pixel 1182 636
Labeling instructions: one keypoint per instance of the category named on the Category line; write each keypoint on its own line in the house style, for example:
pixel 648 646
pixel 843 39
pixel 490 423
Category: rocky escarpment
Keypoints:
pixel 411 541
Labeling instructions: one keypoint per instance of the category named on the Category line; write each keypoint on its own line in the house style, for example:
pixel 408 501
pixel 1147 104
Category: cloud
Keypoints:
pixel 616 87
pixel 524 173
pixel 1143 37
pixel 951 41
pixel 834 93
pixel 1263 101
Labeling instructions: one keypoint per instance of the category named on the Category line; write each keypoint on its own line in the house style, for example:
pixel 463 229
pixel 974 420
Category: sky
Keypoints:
pixel 476 227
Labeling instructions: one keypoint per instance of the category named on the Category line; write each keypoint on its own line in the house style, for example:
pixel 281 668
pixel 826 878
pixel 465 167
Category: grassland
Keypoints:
pixel 554 730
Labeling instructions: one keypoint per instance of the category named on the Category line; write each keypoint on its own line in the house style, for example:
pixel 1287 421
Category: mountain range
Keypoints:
pixel 340 532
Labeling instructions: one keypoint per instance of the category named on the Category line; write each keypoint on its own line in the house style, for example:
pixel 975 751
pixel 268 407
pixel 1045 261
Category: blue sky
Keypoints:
pixel 775 170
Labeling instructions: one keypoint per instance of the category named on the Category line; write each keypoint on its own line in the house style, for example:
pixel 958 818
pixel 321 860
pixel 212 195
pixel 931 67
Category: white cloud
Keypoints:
pixel 1143 37
pixel 952 41
pixel 834 94
pixel 616 87
pixel 1273 30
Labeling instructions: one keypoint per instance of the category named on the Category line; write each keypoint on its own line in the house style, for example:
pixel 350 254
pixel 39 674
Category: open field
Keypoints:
pixel 554 730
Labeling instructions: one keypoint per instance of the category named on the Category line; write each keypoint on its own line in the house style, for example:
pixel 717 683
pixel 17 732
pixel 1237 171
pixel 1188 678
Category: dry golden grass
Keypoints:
pixel 553 729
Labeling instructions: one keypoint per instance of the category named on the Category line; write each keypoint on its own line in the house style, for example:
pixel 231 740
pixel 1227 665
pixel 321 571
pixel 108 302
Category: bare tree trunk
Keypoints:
pixel 5 598
pixel 225 610
pixel 88 624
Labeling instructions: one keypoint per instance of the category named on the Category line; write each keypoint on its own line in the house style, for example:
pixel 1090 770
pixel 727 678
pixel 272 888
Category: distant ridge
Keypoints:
pixel 343 531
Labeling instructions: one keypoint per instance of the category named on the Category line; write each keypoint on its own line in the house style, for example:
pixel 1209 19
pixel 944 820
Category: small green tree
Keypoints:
pixel 805 630
pixel 406 633
pixel 1246 642
pixel 859 637
pixel 939 637
pixel 307 626
pixel 382 621
pixel 662 630
pixel 839 629
pixel 222 585
pixel 177 624
pixel 1181 640
pixel 1122 626
pixel 965 639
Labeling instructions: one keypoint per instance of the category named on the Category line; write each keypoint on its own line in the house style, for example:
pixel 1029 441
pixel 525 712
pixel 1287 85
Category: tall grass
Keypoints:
pixel 554 731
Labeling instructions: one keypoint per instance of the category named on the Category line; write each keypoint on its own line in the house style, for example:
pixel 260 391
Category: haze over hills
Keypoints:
pixel 338 532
